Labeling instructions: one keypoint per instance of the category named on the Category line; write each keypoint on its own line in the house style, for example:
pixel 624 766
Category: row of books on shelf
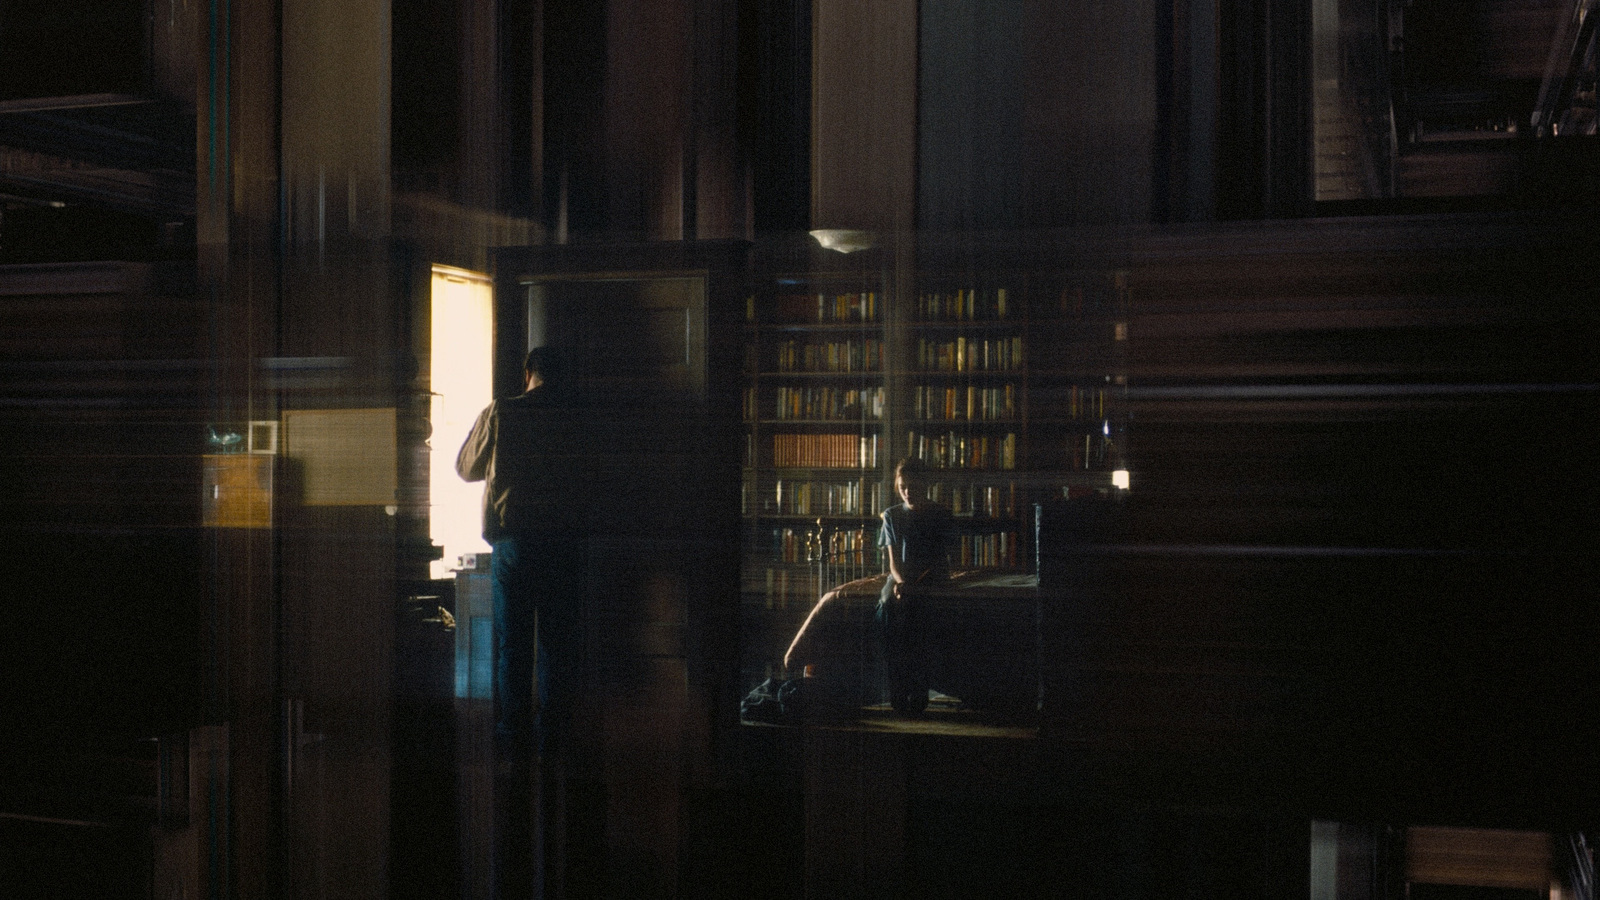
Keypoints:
pixel 842 356
pixel 1100 296
pixel 963 305
pixel 794 587
pixel 793 545
pixel 789 588
pixel 818 403
pixel 821 307
pixel 1091 452
pixel 851 548
pixel 825 451
pixel 966 499
pixel 971 403
pixel 843 554
pixel 956 305
pixel 1069 402
pixel 964 354
pixel 956 450
pixel 998 550
pixel 835 547
pixel 866 498
pixel 791 497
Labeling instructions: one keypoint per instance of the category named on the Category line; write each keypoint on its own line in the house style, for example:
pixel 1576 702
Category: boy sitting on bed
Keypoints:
pixel 915 535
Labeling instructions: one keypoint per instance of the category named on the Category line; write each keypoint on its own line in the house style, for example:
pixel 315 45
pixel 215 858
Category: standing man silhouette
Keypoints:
pixel 526 449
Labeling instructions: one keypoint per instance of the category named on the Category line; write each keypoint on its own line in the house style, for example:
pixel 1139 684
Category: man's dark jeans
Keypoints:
pixel 537 583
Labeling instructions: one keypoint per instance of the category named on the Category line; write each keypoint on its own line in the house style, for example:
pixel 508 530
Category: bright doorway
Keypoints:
pixel 462 382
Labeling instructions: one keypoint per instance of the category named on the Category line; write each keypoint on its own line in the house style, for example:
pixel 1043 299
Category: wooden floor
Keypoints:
pixel 944 717
pixel 948 726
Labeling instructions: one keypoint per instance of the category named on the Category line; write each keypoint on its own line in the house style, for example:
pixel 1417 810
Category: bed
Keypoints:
pixel 982 644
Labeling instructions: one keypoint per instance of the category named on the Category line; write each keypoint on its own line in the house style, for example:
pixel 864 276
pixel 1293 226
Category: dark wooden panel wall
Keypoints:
pixel 99 475
pixel 1349 574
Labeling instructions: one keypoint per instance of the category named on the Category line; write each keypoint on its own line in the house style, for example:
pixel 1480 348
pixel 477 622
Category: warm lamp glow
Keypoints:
pixel 1119 479
pixel 845 240
pixel 462 381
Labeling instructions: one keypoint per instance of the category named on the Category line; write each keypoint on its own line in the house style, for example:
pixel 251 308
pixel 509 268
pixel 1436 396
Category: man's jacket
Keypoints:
pixel 530 450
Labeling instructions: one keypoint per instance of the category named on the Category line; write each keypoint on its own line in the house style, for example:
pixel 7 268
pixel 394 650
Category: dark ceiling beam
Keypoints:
pixel 41 179
pixel 128 137
pixel 76 101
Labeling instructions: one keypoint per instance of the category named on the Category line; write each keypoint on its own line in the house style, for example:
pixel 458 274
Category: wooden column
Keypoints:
pixel 640 130
pixel 720 166
pixel 648 74
pixel 969 115
pixel 864 115
pixel 338 337
pixel 236 215
pixel 294 216
pixel 1090 115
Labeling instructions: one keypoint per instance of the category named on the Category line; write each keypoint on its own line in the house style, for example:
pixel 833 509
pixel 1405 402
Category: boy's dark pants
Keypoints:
pixel 902 635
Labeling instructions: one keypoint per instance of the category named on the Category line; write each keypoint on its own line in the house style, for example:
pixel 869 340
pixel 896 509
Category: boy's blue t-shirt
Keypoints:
pixel 919 537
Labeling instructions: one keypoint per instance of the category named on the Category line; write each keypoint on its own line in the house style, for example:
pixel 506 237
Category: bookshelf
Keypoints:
pixel 1077 380
pixel 965 391
pixel 815 411
pixel 1006 384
